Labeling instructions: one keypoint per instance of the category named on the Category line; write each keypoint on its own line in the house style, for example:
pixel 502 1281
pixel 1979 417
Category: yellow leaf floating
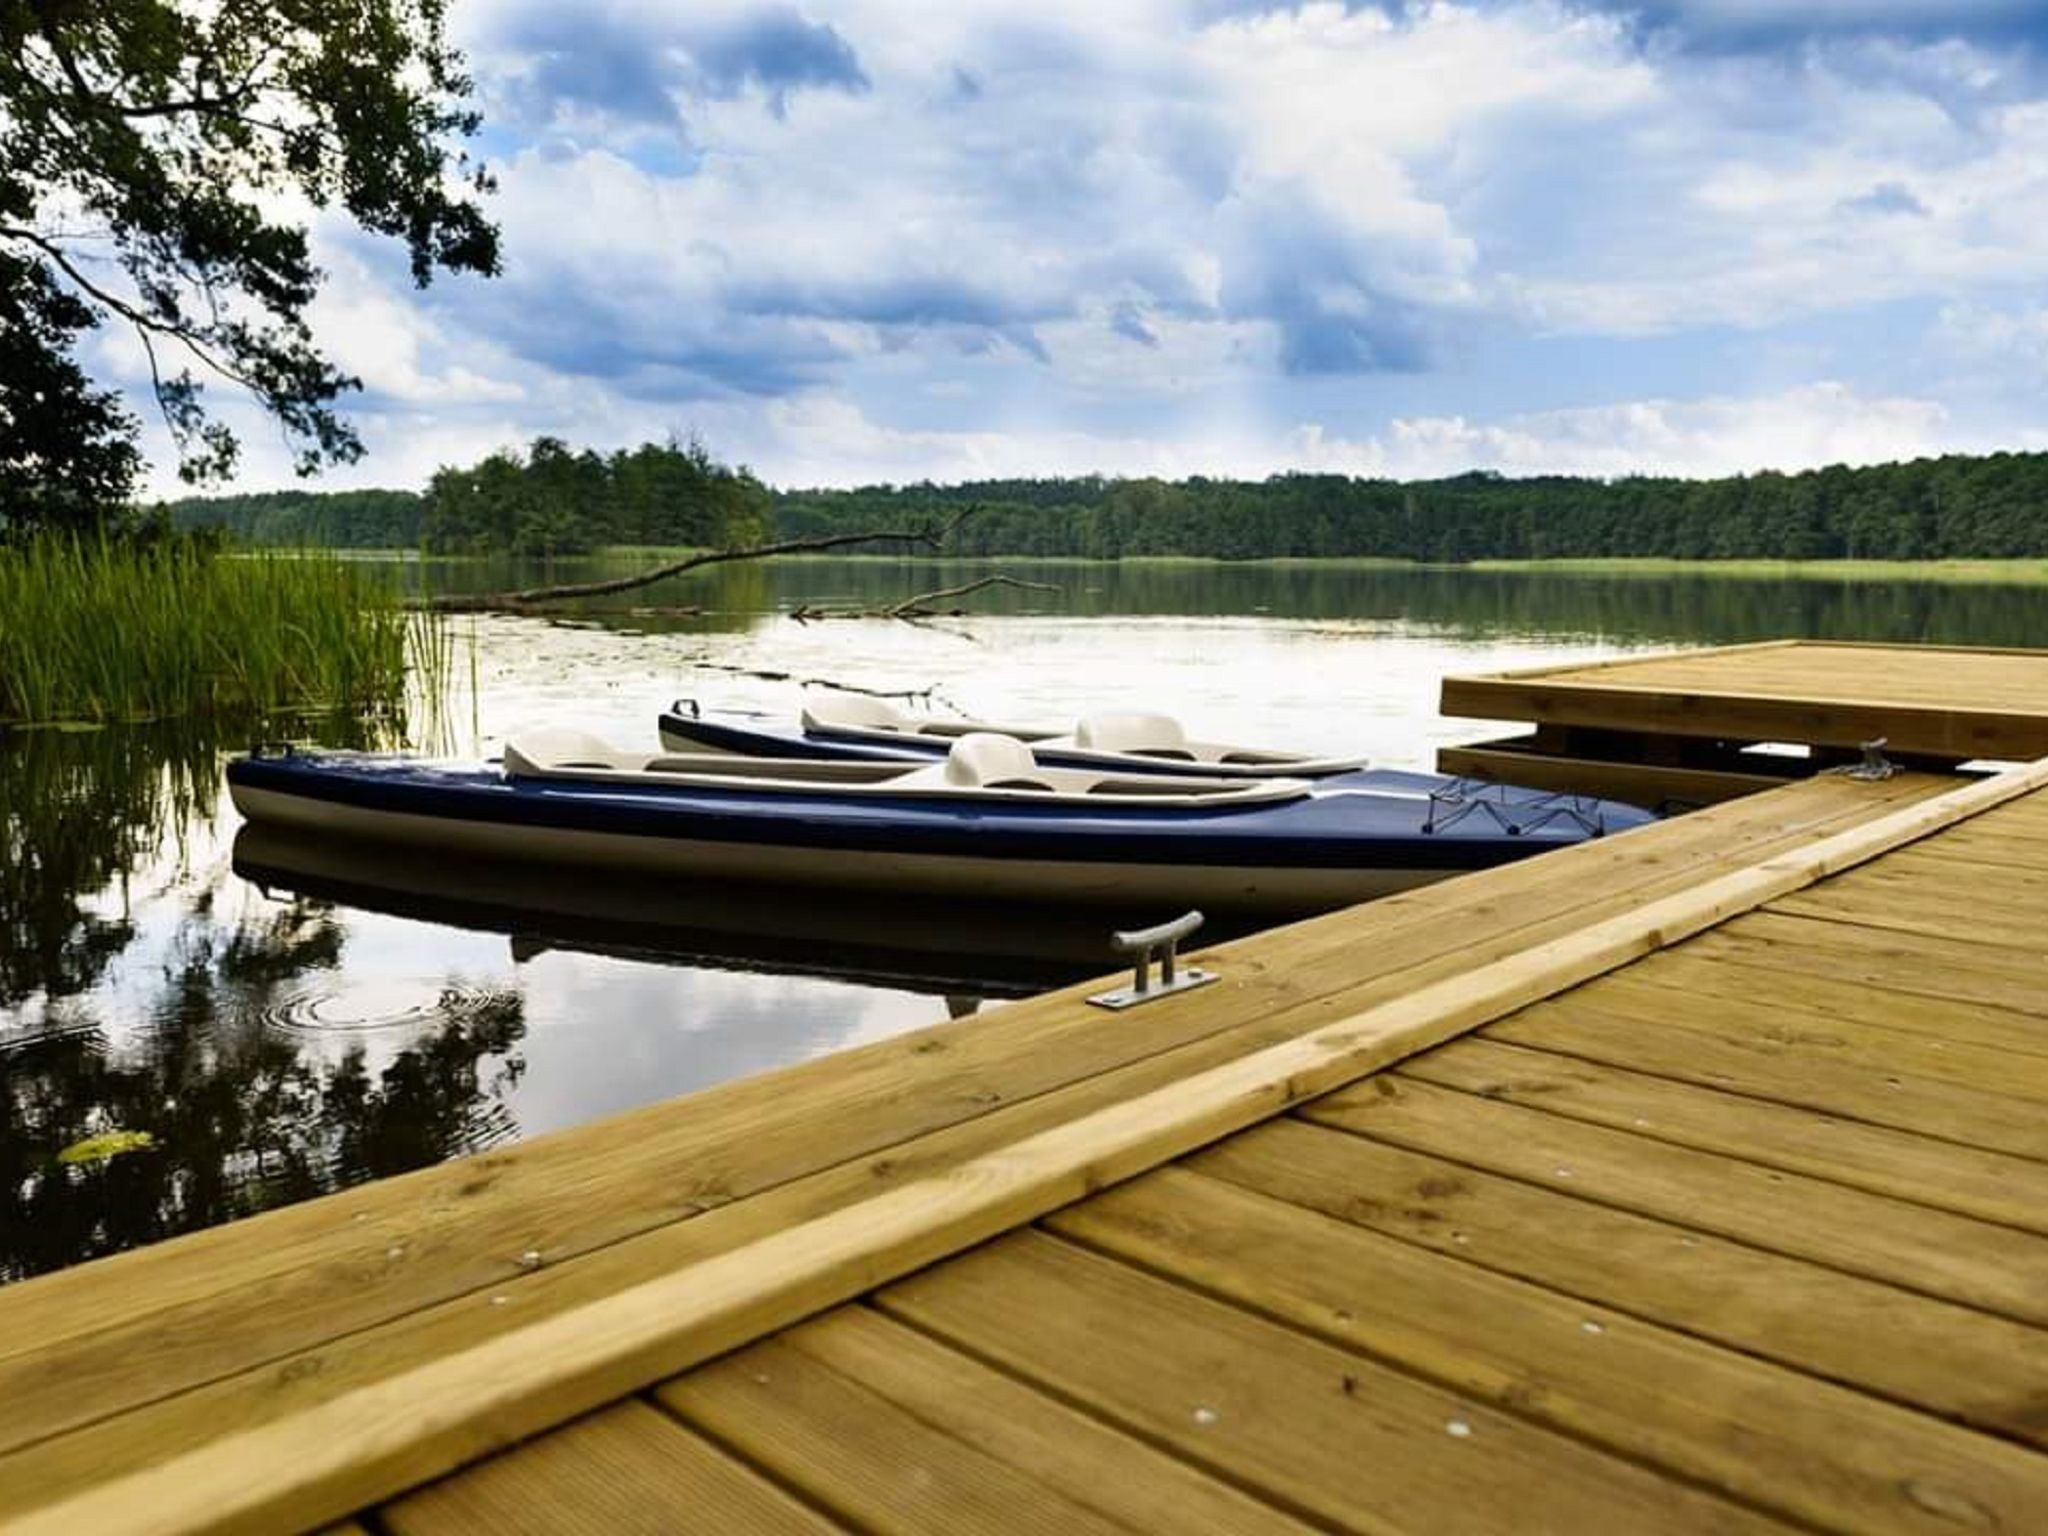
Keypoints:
pixel 106 1145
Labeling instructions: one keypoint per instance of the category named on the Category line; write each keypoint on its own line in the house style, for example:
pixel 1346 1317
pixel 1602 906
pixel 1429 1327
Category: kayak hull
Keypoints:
pixel 1322 850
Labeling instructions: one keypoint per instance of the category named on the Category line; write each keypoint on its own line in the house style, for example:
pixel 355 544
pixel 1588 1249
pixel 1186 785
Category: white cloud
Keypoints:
pixel 1158 237
pixel 1797 429
pixel 822 440
pixel 1766 190
pixel 369 331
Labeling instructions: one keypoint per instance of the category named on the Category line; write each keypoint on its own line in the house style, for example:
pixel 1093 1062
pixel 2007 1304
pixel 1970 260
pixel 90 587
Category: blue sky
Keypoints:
pixel 876 240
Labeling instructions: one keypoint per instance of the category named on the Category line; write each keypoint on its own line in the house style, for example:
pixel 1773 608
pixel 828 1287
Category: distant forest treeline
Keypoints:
pixel 553 500
pixel 547 500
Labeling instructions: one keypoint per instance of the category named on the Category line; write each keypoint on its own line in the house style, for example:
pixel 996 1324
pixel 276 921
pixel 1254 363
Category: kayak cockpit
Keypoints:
pixel 980 765
pixel 1140 737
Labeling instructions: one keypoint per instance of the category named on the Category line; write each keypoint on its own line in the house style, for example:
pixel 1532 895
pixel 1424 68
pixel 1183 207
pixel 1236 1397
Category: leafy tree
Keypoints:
pixel 153 154
pixel 66 448
pixel 554 501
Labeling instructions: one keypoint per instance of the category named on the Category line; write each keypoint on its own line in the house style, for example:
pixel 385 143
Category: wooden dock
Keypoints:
pixel 1683 726
pixel 1690 1180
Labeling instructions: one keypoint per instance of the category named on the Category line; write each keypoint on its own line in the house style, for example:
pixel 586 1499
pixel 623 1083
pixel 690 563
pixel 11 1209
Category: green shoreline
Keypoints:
pixel 2013 572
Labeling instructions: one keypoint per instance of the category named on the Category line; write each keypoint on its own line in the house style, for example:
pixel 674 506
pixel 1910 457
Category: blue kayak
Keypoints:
pixel 848 727
pixel 987 820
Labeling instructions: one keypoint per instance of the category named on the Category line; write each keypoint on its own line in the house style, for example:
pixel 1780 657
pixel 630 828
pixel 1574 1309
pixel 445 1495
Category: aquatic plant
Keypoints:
pixel 96 630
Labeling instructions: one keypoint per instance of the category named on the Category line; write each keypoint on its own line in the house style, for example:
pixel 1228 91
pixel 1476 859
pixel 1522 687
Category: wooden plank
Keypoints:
pixel 2021 863
pixel 577 1199
pixel 1918 964
pixel 1078 1456
pixel 2023 838
pixel 857 1453
pixel 627 1471
pixel 1787 685
pixel 1934 867
pixel 342 1452
pixel 1936 1252
pixel 1957 705
pixel 1986 1185
pixel 1912 902
pixel 1846 666
pixel 1956 1361
pixel 1776 1438
pixel 1329 1431
pixel 1688 969
pixel 1636 783
pixel 2024 821
pixel 1936 731
pixel 1622 1037
pixel 1634 659
pixel 1762 1024
pixel 1970 682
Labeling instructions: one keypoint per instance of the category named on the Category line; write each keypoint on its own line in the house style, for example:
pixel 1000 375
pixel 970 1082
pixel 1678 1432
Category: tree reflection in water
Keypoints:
pixel 240 1115
pixel 241 1111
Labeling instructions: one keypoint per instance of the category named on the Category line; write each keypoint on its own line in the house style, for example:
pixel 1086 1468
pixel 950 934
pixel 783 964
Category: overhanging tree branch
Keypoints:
pixel 182 129
pixel 141 319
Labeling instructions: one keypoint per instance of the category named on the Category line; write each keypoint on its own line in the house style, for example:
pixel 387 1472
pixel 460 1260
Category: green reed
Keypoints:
pixel 94 631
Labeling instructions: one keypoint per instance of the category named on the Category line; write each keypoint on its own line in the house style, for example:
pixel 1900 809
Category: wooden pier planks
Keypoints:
pixel 626 1471
pixel 1649 1392
pixel 1774 1326
pixel 1781 1313
pixel 941 1404
pixel 1955 704
pixel 421 1258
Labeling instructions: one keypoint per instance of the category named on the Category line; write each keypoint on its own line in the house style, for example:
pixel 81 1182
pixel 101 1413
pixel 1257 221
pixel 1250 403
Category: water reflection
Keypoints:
pixel 78 813
pixel 238 1116
pixel 950 948
pixel 1692 607
pixel 280 1020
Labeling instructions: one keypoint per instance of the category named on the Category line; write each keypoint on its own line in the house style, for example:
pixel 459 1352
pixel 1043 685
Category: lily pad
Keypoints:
pixel 106 1146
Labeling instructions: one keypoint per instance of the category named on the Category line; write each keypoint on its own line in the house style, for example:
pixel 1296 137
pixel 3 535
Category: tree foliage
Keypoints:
pixel 1930 509
pixel 545 500
pixel 552 500
pixel 158 162
pixel 367 519
pixel 556 500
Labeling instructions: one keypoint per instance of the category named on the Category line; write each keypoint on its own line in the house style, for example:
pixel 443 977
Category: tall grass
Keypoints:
pixel 93 630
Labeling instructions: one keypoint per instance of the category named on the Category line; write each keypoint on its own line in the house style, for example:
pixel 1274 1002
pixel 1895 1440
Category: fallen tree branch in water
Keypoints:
pixel 918 607
pixel 534 597
pixel 925 695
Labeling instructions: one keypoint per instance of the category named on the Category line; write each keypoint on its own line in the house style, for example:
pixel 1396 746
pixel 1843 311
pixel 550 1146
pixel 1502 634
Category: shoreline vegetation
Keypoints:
pixel 551 500
pixel 101 629
pixel 2016 570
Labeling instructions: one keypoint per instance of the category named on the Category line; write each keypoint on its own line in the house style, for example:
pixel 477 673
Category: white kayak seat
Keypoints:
pixel 858 714
pixel 855 711
pixel 1136 733
pixel 985 760
pixel 553 749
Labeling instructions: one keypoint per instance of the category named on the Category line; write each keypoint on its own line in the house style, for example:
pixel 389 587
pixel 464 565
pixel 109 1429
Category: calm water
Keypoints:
pixel 280 1019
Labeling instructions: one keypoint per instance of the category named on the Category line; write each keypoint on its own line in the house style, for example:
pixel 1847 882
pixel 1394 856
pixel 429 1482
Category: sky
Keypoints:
pixel 857 241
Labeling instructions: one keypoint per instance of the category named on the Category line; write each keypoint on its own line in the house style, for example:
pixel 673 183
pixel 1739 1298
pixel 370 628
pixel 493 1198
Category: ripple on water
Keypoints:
pixel 386 1003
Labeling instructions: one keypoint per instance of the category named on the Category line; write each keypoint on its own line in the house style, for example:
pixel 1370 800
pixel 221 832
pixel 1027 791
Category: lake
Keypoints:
pixel 279 1021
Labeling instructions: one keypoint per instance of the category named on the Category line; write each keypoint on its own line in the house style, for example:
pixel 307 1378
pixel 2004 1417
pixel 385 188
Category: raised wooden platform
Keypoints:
pixel 1677 727
pixel 1438 1214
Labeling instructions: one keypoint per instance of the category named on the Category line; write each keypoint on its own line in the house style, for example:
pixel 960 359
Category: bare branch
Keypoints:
pixel 919 607
pixel 535 596
pixel 141 319
pixel 916 695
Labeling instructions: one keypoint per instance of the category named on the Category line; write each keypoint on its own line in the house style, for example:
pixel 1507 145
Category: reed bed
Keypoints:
pixel 96 631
